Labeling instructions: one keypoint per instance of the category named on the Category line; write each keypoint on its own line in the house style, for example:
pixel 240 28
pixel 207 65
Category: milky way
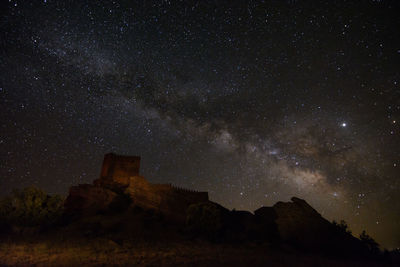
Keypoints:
pixel 251 101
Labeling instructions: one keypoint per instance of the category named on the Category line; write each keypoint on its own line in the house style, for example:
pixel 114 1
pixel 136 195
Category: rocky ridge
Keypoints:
pixel 294 222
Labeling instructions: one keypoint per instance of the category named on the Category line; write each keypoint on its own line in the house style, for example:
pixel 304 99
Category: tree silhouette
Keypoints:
pixel 342 226
pixel 369 242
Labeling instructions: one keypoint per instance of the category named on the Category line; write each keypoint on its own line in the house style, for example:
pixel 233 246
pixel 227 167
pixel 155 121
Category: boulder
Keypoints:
pixel 241 226
pixel 301 225
pixel 87 198
pixel 298 223
pixel 267 228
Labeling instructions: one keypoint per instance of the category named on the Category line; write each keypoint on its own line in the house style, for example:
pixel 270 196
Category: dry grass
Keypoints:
pixel 104 252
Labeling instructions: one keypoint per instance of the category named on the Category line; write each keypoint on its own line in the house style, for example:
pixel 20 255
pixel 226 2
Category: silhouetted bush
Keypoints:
pixel 30 207
pixel 369 243
pixel 342 226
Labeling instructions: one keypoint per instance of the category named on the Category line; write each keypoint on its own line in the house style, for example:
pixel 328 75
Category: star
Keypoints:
pixel 232 103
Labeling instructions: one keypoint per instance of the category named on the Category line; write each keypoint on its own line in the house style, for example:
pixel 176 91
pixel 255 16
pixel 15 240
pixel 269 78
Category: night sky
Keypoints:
pixel 252 101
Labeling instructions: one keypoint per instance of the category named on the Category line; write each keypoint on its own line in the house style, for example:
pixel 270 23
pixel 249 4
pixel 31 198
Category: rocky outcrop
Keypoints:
pixel 120 177
pixel 120 187
pixel 265 218
pixel 88 198
pixel 297 223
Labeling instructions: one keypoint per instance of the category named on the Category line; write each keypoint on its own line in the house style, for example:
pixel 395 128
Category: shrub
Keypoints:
pixel 30 206
pixel 342 226
pixel 369 243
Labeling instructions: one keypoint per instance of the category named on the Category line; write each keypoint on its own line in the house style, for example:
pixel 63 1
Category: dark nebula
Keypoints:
pixel 252 101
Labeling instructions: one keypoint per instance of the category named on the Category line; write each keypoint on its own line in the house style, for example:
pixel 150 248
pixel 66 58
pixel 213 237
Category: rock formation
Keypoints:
pixel 299 224
pixel 87 197
pixel 120 175
pixel 120 186
pixel 295 223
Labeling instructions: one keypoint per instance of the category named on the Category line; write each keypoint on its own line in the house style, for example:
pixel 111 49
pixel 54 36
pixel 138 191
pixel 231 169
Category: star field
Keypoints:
pixel 252 101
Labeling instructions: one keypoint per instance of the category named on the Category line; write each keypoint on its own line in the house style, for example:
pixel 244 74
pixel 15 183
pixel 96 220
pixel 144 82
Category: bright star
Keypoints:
pixel 344 124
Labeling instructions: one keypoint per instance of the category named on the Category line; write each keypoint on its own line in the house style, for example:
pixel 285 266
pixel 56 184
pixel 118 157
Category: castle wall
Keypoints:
pixel 163 197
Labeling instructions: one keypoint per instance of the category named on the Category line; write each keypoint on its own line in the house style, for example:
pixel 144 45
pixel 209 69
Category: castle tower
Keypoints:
pixel 117 167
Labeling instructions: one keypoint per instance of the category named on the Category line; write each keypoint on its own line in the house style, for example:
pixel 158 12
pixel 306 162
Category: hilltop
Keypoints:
pixel 122 210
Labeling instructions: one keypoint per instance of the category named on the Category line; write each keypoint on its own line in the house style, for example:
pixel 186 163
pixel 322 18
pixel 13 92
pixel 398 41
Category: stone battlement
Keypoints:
pixel 177 188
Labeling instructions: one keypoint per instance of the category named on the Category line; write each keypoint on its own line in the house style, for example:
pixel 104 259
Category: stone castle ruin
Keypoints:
pixel 120 176
pixel 294 222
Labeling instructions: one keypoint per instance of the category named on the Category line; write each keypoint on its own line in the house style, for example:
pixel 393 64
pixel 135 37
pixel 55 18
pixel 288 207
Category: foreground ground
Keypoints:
pixel 105 252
